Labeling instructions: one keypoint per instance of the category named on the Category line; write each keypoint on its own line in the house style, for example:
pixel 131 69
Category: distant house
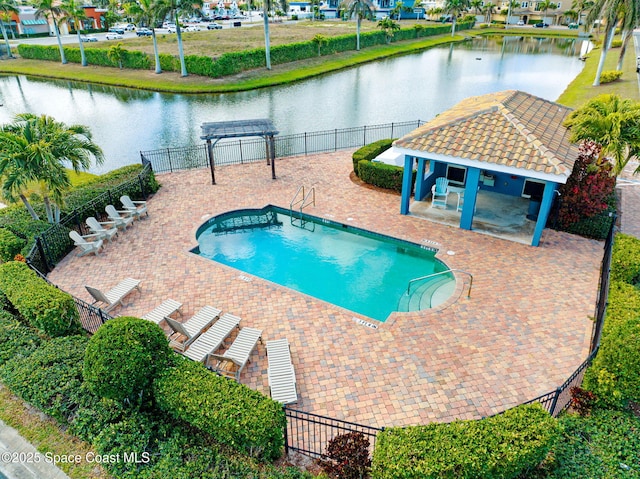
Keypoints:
pixel 27 23
pixel 502 145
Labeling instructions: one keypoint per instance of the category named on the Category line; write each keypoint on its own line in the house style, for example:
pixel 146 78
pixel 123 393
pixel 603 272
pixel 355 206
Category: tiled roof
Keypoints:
pixel 509 128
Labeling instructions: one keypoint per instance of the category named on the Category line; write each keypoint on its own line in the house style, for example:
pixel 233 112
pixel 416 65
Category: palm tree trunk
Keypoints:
pixel 57 32
pixel 29 208
pixel 82 54
pixel 47 208
pixel 357 31
pixel 6 40
pixel 626 35
pixel 603 54
pixel 183 65
pixel 453 27
pixel 156 53
pixel 267 38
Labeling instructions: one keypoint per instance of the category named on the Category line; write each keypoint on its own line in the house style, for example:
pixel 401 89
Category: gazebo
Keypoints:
pixel 213 132
pixel 507 143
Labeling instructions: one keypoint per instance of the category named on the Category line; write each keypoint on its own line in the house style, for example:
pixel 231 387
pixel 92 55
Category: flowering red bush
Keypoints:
pixel 589 187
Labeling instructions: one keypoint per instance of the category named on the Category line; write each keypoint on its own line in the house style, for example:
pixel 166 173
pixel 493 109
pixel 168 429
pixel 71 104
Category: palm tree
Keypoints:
pixel 607 9
pixel 581 6
pixel 75 12
pixel 176 8
pixel 361 9
pixel 476 5
pixel 266 8
pixel 50 11
pixel 489 10
pixel 513 4
pixel 545 6
pixel 454 8
pixel 613 123
pixel 116 54
pixel 36 149
pixel 389 27
pixel 7 7
pixel 147 12
pixel 630 12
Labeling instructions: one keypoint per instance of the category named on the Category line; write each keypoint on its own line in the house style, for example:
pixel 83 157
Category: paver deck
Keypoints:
pixel 524 330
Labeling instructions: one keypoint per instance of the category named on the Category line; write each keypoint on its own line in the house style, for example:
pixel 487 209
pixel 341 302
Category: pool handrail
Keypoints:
pixel 439 273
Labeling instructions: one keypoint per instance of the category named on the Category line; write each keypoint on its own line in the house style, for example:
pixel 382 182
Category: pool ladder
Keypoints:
pixel 303 199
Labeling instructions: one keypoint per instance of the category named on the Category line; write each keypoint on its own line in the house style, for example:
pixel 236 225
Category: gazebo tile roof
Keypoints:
pixel 510 128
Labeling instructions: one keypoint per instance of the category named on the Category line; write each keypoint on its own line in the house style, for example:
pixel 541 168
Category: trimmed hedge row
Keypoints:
pixel 625 261
pixel 43 306
pixel 378 174
pixel 235 62
pixel 502 446
pixel 369 152
pixel 10 245
pixel 17 340
pixel 232 413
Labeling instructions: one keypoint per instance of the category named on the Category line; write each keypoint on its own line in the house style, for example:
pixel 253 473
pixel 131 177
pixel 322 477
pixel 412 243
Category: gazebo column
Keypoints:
pixel 211 165
pixel 421 189
pixel 470 196
pixel 272 150
pixel 545 207
pixel 407 183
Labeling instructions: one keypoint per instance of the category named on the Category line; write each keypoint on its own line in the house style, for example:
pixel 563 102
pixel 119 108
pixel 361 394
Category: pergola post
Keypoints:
pixel 272 145
pixel 211 165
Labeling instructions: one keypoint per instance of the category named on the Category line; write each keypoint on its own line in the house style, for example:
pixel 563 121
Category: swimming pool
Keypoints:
pixel 359 270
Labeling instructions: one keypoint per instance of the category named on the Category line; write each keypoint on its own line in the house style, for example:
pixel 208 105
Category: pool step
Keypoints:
pixel 427 295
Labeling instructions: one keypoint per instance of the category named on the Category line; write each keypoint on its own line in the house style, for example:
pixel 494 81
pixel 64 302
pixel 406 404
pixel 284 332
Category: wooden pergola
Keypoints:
pixel 213 132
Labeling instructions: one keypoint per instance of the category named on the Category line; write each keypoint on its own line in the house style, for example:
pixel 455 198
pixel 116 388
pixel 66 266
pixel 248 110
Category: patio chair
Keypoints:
pixel 99 229
pixel 186 333
pixel 88 243
pixel 208 342
pixel 138 208
pixel 121 221
pixel 440 192
pixel 282 376
pixel 232 362
pixel 115 296
pixel 166 309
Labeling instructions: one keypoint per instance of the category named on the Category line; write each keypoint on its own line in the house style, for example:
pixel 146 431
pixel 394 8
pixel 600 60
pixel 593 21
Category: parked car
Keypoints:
pixel 129 27
pixel 119 30
pixel 214 26
pixel 573 26
pixel 192 28
pixel 88 38
pixel 144 32
pixel 541 25
pixel 520 23
pixel 638 65
pixel 114 36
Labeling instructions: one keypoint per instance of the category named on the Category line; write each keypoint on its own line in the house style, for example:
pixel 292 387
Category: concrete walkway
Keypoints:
pixel 20 460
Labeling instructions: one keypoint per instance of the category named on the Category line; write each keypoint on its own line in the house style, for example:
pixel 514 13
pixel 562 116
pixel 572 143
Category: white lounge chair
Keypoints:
pixel 138 208
pixel 282 376
pixel 121 221
pixel 187 332
pixel 208 342
pixel 166 309
pixel 234 359
pixel 440 192
pixel 115 296
pixel 87 243
pixel 104 230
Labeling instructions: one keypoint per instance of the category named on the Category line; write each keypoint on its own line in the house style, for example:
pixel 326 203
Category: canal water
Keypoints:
pixel 405 88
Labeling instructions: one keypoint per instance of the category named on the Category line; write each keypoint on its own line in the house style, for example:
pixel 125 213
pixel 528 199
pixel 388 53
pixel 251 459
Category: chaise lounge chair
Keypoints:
pixel 440 193
pixel 232 362
pixel 166 309
pixel 186 333
pixel 138 208
pixel 121 221
pixel 99 229
pixel 208 342
pixel 115 296
pixel 282 376
pixel 87 243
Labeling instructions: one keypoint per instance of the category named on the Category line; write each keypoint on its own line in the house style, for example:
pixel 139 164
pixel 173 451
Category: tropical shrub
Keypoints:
pixel 16 340
pixel 42 305
pixel 582 401
pixel 347 457
pixel 610 75
pixel 231 412
pixel 625 261
pixel 502 446
pixel 50 378
pixel 123 358
pixel 369 152
pixel 10 245
pixel 382 175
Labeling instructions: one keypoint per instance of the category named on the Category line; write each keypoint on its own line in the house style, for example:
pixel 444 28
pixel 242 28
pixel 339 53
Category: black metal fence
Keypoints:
pixel 54 244
pixel 310 433
pixel 252 150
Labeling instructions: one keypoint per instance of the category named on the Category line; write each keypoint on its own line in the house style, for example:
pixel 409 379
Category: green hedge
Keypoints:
pixel 50 378
pixel 42 305
pixel 369 152
pixel 16 340
pixel 10 245
pixel 382 175
pixel 232 413
pixel 502 446
pixel 625 262
pixel 95 56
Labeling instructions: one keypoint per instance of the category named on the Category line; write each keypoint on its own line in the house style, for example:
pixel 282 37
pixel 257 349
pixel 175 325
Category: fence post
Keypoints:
pixel 169 158
pixel 555 402
pixel 391 130
pixel 364 135
pixel 240 143
pixel 42 254
pixel 286 435
pixel 335 140
pixel 305 143
pixel 144 194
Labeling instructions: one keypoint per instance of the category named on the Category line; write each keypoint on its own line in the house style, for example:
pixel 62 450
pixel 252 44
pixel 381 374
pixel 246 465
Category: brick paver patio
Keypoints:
pixel 525 329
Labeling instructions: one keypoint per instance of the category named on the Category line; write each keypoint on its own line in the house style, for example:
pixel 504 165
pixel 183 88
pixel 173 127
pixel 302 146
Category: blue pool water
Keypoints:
pixel 356 269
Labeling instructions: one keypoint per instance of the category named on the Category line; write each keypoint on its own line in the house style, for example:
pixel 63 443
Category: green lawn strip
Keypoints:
pixel 581 89
pixel 527 31
pixel 172 82
pixel 47 436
